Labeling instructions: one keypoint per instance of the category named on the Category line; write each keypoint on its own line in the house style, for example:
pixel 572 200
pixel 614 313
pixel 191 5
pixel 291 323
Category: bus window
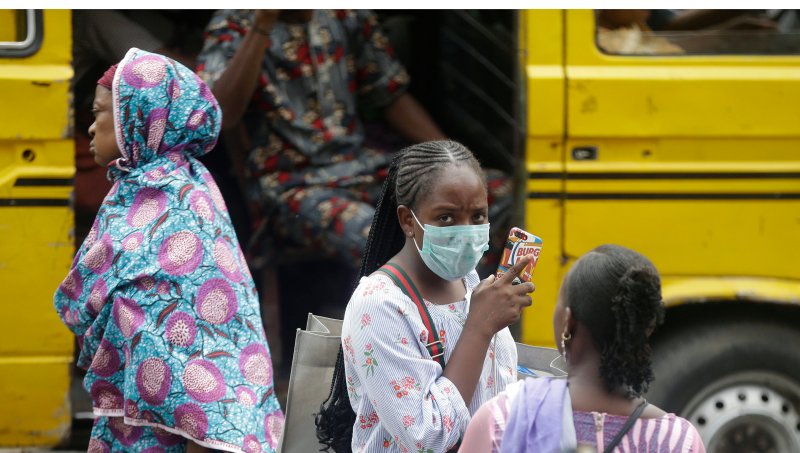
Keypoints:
pixel 698 32
pixel 20 32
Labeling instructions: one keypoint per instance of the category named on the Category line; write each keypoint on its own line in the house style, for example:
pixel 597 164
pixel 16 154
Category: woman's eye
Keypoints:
pixel 445 218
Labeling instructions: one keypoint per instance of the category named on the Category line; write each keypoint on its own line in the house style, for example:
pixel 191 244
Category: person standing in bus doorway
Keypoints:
pixel 159 293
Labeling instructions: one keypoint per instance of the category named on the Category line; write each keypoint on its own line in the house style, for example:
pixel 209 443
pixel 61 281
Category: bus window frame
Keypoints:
pixel 685 55
pixel 33 37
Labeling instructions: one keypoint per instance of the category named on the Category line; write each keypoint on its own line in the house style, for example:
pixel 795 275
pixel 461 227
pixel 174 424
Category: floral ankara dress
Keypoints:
pixel 159 294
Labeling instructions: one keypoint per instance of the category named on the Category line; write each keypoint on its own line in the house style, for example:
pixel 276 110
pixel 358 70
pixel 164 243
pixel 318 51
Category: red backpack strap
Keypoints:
pixel 403 281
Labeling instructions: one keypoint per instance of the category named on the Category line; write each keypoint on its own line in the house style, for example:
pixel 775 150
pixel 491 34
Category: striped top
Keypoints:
pixel 402 401
pixel 667 434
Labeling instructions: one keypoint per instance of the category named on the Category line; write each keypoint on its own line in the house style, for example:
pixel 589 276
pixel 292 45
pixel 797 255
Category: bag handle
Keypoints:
pixel 436 347
pixel 404 282
pixel 627 427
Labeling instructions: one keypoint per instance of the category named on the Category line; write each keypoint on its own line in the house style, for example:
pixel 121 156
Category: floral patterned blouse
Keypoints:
pixel 402 401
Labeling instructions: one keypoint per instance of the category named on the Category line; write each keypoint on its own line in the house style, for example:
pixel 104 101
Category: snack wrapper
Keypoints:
pixel 520 243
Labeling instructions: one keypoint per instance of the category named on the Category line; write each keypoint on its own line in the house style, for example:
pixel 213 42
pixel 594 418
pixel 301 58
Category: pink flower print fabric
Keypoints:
pixel 159 293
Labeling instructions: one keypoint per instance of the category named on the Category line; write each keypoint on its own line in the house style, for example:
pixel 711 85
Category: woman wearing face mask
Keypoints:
pixel 425 343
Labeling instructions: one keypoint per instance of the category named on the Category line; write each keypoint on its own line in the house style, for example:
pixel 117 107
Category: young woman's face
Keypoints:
pixel 104 144
pixel 457 197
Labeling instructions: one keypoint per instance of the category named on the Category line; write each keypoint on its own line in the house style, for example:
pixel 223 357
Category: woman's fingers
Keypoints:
pixel 515 270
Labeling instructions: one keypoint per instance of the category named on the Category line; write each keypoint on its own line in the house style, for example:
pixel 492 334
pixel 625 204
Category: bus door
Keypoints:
pixel 36 221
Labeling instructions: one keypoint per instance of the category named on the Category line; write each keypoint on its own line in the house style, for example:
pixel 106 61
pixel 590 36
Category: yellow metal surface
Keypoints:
pixel 34 392
pixel 57 44
pixel 35 101
pixel 8 25
pixel 544 69
pixel 680 290
pixel 697 167
pixel 36 167
pixel 37 260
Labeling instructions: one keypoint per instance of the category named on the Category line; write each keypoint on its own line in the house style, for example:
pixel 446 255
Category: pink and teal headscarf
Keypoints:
pixel 159 293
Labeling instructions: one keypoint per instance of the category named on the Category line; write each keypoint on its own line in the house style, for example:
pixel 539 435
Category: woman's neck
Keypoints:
pixel 589 393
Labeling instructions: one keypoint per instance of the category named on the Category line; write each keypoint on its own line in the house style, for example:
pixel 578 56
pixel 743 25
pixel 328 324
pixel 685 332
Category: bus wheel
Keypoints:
pixel 737 382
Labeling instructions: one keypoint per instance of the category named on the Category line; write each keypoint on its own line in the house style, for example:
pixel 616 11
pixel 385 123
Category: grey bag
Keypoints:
pixel 535 361
pixel 315 351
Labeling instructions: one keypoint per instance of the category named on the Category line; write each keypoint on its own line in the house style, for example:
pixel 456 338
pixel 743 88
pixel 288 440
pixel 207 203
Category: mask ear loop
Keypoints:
pixel 553 364
pixel 565 337
pixel 412 236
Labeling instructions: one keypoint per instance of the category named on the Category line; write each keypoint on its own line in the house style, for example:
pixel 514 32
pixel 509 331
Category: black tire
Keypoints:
pixel 737 381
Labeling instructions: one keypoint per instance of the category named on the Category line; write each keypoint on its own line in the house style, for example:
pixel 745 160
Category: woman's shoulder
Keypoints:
pixel 681 428
pixel 377 291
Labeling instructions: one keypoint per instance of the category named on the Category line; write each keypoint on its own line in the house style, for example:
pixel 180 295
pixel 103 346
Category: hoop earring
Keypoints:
pixel 565 337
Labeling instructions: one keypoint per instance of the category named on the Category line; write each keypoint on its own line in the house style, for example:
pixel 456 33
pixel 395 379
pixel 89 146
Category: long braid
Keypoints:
pixel 410 177
pixel 385 235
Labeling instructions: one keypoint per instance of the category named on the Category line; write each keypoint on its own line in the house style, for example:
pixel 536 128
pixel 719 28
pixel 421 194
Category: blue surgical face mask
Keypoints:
pixel 452 252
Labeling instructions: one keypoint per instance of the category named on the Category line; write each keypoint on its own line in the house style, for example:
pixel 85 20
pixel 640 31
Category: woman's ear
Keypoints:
pixel 569 321
pixel 406 220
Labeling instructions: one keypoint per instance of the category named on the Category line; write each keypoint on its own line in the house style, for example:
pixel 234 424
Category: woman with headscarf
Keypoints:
pixel 159 294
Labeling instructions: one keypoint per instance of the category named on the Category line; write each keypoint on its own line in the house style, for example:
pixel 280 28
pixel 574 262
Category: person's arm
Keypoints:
pixel 236 84
pixel 382 81
pixel 84 294
pixel 409 118
pixel 482 432
pixel 495 305
pixel 231 62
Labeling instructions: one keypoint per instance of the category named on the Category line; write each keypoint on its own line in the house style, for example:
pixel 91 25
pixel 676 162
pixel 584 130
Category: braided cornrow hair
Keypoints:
pixel 615 293
pixel 411 177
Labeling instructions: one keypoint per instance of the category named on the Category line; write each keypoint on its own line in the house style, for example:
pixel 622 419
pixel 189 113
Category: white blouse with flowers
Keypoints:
pixel 402 401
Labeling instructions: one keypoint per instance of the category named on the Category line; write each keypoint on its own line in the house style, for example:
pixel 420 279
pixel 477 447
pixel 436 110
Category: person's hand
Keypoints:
pixel 265 19
pixel 497 303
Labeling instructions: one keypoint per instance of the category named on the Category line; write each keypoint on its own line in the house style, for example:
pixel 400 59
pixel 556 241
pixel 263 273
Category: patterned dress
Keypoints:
pixel 159 294
pixel 307 166
pixel 402 401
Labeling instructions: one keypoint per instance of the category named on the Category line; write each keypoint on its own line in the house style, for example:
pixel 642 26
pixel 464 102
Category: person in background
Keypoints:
pixel 609 305
pixel 295 81
pixel 159 294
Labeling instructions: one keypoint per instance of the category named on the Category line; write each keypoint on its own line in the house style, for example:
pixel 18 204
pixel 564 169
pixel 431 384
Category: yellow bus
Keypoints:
pixel 690 155
pixel 36 221
pixel 684 145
